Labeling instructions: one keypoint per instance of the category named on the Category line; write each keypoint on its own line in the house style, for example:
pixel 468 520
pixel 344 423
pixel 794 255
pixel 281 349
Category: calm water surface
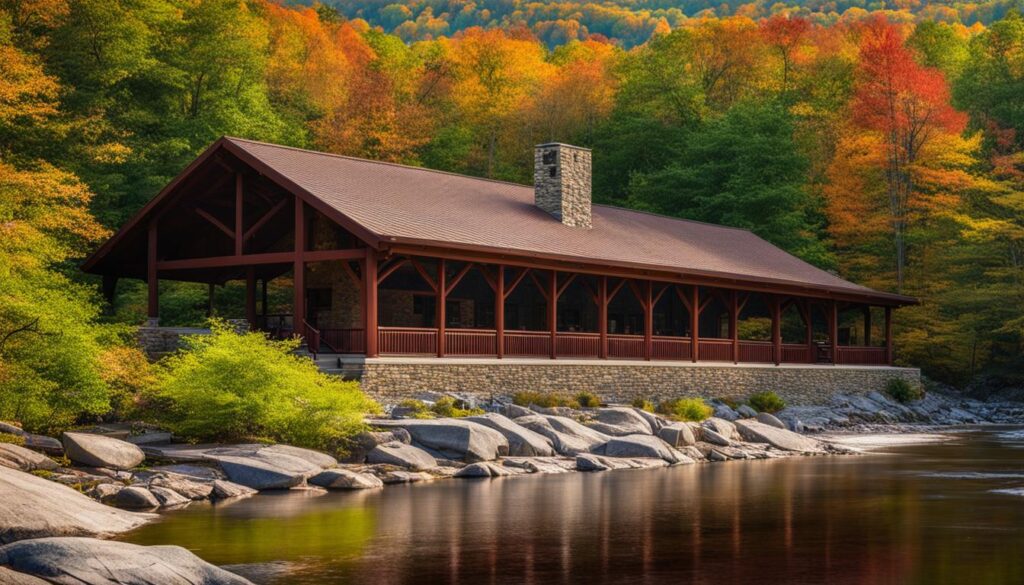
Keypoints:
pixel 951 512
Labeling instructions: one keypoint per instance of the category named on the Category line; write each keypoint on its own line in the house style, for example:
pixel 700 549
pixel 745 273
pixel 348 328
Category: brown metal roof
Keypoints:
pixel 399 204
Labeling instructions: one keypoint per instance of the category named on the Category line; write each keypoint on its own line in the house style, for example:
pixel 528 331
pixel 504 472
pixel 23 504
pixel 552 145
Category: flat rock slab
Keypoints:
pixel 393 477
pixel 44 444
pixel 757 432
pixel 570 427
pixel 453 438
pixel 33 507
pixel 101 451
pixel 563 443
pixel 345 479
pixel 541 464
pixel 73 561
pixel 224 489
pixel 268 467
pixel 9 577
pixel 486 469
pixel 621 421
pixel 715 438
pixel 522 442
pixel 169 498
pixel 592 462
pixel 184 485
pixel 22 459
pixel 402 455
pixel 641 446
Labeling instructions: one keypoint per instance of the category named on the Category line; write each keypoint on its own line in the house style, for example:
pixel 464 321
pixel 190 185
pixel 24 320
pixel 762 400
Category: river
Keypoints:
pixel 949 512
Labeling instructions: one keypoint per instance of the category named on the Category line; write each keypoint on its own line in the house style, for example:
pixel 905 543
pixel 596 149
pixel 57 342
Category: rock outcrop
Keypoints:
pixel 33 507
pixel 345 479
pixel 522 442
pixel 102 562
pixel 101 451
pixel 453 438
pixel 402 455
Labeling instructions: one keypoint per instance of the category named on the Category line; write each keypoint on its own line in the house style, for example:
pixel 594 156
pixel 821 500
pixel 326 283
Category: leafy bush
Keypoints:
pixel 643 404
pixel 766 402
pixel 903 391
pixel 687 409
pixel 588 400
pixel 414 408
pixel 450 407
pixel 543 399
pixel 228 387
pixel 12 439
pixel 129 375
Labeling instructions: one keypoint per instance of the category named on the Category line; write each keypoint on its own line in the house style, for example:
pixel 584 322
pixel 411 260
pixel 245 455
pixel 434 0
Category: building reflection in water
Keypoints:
pixel 856 520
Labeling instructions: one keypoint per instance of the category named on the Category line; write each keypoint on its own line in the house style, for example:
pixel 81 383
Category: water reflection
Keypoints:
pixel 917 516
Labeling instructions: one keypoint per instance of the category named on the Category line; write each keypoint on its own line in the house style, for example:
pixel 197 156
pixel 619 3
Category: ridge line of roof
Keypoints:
pixel 379 162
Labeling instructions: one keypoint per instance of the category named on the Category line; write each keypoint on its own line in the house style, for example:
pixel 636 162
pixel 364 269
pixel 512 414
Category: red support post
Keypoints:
pixel 250 296
pixel 833 334
pixel 442 300
pixel 153 299
pixel 299 269
pixel 499 311
pixel 239 230
pixel 648 320
pixel 370 302
pixel 777 329
pixel 888 336
pixel 695 323
pixel 734 330
pixel 602 317
pixel 867 325
pixel 553 310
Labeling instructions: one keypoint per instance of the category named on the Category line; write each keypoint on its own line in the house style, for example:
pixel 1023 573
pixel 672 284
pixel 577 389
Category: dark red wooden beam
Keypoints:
pixel 370 301
pixel 256 259
pixel 216 222
pixel 888 336
pixel 499 311
pixel 249 233
pixel 239 219
pixel 602 316
pixel 552 296
pixel 442 301
pixel 695 322
pixel 153 298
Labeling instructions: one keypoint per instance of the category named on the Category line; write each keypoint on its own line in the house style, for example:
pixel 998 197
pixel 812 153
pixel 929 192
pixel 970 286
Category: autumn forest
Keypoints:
pixel 887 146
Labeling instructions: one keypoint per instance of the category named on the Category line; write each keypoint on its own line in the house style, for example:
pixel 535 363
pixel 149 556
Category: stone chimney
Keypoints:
pixel 561 182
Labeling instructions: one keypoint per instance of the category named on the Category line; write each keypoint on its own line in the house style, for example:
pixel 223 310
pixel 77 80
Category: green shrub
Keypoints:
pixel 687 409
pixel 449 407
pixel 766 402
pixel 903 391
pixel 12 439
pixel 416 408
pixel 643 404
pixel 229 387
pixel 588 400
pixel 543 399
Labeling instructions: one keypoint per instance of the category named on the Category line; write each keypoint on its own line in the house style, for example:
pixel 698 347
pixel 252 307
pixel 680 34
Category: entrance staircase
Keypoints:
pixel 347 366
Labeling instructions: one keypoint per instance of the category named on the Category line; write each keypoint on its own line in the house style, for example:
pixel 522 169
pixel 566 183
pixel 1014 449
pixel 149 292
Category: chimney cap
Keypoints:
pixel 562 144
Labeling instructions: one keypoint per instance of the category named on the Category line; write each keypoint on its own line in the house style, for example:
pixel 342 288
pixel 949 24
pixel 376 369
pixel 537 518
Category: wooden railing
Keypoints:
pixel 626 346
pixel 576 344
pixel 483 342
pixel 407 340
pixel 470 342
pixel 344 340
pixel 671 348
pixel 756 352
pixel 794 353
pixel 867 356
pixel 715 350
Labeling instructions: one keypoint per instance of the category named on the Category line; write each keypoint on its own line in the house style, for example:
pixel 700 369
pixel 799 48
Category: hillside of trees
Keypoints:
pixel 633 22
pixel 886 146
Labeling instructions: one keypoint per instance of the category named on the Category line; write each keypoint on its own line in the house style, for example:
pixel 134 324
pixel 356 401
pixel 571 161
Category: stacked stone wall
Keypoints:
pixel 389 379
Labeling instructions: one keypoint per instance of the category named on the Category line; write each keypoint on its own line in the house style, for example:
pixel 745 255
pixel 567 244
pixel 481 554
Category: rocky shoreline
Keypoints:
pixel 62 496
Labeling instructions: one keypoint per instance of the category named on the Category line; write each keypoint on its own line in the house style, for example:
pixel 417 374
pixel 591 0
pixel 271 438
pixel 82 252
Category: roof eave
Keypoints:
pixel 527 255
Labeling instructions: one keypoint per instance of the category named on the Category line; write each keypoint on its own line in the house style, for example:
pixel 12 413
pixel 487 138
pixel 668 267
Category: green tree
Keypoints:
pixel 743 170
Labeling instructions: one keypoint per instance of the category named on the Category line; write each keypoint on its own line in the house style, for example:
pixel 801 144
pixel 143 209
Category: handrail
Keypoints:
pixel 312 335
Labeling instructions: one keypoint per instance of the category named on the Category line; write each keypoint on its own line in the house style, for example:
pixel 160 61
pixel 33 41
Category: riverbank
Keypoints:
pixel 506 441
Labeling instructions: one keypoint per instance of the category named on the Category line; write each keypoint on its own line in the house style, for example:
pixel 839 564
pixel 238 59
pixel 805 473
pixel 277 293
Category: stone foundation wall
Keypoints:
pixel 391 379
pixel 156 341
